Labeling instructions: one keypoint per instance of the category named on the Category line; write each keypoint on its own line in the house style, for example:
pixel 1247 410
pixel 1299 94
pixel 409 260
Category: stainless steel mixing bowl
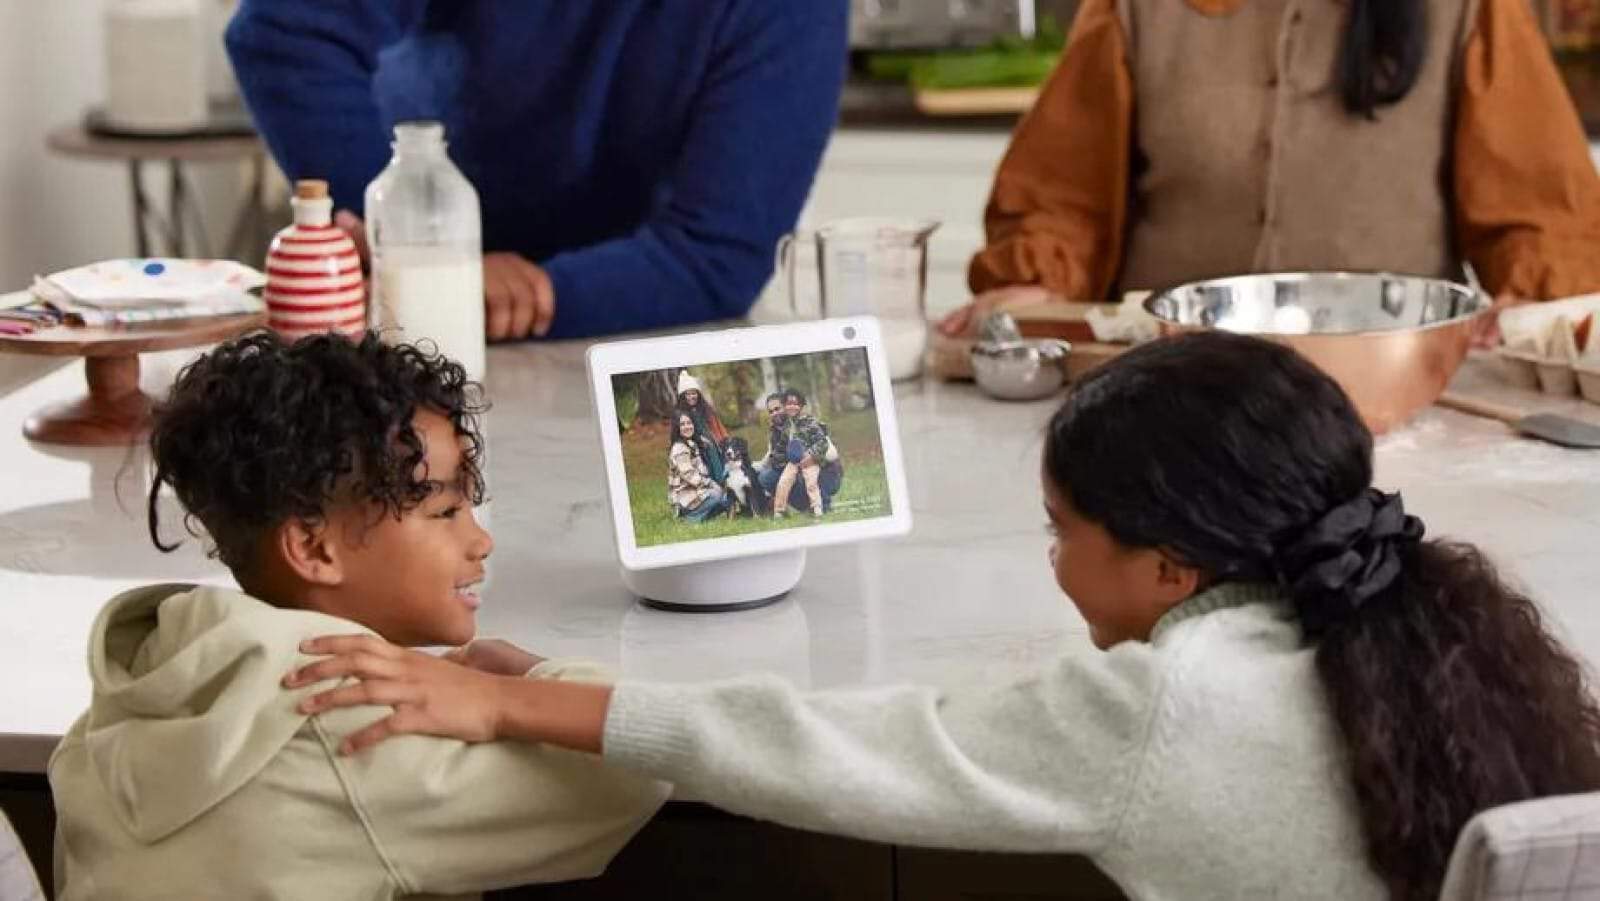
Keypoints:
pixel 1392 341
pixel 1027 369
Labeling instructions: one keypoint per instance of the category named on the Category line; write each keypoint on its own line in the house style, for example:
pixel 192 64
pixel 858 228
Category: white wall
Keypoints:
pixel 56 212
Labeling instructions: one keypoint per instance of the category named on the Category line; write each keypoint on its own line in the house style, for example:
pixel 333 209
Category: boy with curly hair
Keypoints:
pixel 337 481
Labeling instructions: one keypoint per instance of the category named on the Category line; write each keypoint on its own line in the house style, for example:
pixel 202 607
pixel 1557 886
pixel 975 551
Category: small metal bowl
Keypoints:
pixel 1020 370
pixel 1391 341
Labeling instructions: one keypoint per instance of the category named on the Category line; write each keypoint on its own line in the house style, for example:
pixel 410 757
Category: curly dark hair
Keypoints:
pixel 1450 694
pixel 258 431
pixel 794 393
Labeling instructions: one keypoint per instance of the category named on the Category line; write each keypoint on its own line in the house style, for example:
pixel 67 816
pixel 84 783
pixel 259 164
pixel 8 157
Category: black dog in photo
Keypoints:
pixel 742 484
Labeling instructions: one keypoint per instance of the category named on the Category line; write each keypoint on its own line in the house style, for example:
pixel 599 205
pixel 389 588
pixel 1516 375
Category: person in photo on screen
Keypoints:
pixel 774 405
pixel 694 495
pixel 694 401
pixel 771 467
pixel 805 444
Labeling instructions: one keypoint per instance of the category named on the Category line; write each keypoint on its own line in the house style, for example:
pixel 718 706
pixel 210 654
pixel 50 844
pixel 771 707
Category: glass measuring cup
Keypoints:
pixel 871 266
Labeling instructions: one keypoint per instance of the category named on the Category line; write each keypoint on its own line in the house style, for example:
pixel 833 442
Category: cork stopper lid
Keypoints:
pixel 311 189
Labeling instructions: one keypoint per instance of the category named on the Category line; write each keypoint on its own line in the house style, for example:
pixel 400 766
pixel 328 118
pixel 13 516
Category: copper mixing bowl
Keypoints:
pixel 1392 341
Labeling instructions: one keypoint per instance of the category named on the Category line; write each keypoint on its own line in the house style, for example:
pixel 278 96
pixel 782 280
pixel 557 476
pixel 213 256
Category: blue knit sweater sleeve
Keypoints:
pixel 306 69
pixel 760 122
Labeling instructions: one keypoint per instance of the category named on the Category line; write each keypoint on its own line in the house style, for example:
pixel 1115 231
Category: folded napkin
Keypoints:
pixel 143 291
pixel 27 318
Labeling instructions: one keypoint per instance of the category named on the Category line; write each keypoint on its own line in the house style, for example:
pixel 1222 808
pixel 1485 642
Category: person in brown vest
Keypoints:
pixel 1188 139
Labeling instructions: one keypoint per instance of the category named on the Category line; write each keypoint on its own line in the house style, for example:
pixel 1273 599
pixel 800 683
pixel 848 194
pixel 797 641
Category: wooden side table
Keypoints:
pixel 247 239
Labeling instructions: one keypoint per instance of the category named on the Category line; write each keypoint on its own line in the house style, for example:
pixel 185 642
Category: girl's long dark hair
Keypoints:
pixel 1450 694
pixel 1385 43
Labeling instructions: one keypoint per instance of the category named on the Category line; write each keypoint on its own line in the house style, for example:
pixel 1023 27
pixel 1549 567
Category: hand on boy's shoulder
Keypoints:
pixel 436 696
pixel 429 694
pixel 492 655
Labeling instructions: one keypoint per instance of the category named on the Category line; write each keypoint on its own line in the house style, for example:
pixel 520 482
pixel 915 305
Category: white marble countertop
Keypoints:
pixel 967 596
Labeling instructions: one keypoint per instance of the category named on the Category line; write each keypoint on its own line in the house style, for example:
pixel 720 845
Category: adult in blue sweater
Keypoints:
pixel 636 160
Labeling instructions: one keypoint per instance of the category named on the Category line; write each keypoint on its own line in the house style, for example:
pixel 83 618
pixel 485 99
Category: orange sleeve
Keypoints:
pixel 1057 211
pixel 1527 197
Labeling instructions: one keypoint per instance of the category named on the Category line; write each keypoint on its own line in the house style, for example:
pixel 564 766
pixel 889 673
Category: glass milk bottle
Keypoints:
pixel 427 251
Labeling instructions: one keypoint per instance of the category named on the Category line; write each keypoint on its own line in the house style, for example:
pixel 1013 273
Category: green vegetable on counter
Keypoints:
pixel 982 70
pixel 1008 62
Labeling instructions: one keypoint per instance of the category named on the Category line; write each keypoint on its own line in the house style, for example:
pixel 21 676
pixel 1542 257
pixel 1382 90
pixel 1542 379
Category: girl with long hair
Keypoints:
pixel 696 404
pixel 694 495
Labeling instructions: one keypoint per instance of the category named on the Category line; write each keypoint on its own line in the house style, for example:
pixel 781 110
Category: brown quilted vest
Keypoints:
pixel 1246 160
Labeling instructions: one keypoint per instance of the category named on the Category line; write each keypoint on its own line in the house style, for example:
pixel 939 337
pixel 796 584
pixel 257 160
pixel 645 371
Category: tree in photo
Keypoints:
pixel 657 395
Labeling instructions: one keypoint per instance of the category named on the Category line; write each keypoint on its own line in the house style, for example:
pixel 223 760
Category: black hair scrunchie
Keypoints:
pixel 1348 557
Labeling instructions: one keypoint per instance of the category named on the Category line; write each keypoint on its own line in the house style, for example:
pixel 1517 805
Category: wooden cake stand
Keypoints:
pixel 114 411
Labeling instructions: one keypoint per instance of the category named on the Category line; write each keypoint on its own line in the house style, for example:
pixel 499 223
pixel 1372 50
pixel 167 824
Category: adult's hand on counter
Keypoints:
pixel 518 297
pixel 351 224
pixel 965 321
pixel 1486 333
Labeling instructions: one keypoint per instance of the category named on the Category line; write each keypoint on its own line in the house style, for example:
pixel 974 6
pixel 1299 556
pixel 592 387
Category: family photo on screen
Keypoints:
pixel 752 445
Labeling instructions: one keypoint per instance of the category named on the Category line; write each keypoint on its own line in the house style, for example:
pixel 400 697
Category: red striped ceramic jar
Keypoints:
pixel 314 281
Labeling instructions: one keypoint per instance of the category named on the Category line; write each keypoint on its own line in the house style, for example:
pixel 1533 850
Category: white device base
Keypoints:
pixel 718 585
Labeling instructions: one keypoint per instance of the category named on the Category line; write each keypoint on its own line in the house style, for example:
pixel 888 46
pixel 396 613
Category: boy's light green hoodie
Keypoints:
pixel 192 776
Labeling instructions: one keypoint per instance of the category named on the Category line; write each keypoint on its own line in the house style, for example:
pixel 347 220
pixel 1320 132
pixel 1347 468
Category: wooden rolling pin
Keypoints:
pixel 1566 431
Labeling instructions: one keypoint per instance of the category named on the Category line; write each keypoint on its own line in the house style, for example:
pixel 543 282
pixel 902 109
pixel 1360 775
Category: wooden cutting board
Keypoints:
pixel 950 358
pixel 976 101
pixel 1065 319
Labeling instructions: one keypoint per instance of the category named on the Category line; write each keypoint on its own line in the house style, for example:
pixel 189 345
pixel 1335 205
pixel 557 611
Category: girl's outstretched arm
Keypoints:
pixel 436 696
pixel 1045 764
